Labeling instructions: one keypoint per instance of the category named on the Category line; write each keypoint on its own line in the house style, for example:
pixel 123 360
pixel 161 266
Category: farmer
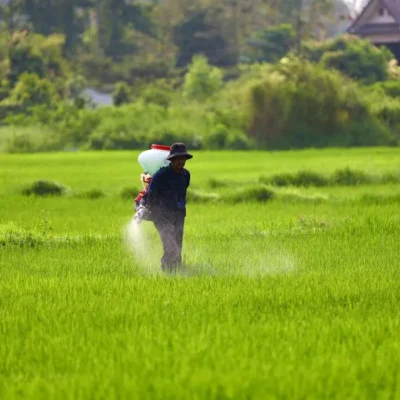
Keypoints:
pixel 166 200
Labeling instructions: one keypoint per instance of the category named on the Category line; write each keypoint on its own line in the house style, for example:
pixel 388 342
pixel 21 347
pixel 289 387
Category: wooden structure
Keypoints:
pixel 380 22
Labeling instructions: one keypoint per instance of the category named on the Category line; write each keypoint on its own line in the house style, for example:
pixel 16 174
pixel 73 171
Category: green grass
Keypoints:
pixel 113 171
pixel 292 298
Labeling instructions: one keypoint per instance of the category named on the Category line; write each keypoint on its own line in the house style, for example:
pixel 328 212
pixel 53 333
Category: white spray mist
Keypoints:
pixel 142 246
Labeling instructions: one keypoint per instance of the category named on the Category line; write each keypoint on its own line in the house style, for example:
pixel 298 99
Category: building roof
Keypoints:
pixel 393 8
pixel 372 29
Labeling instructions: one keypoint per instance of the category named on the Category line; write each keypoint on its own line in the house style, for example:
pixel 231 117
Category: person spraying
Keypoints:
pixel 164 203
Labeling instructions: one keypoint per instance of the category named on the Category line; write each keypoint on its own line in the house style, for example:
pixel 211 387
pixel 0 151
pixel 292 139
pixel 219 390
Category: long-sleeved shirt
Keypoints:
pixel 167 190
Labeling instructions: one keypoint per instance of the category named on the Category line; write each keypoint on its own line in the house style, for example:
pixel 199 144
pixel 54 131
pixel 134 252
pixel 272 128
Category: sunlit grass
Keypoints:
pixel 295 297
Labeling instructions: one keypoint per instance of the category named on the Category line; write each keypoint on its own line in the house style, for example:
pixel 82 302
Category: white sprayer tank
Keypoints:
pixel 154 159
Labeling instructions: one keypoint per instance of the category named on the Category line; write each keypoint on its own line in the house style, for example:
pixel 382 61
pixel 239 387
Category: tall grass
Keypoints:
pixel 341 177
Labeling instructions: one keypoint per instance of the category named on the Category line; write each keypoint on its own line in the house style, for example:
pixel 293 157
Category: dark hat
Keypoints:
pixel 178 150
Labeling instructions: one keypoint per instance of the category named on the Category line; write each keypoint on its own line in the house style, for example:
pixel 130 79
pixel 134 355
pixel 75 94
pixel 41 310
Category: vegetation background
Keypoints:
pixel 119 74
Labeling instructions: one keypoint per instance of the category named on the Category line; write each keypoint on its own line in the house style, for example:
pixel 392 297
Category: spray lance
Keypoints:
pixel 151 161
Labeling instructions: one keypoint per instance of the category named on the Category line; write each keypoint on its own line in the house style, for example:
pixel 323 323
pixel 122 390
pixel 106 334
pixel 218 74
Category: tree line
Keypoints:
pixel 229 74
pixel 170 32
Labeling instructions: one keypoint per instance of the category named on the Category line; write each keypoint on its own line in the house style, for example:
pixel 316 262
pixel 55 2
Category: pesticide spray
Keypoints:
pixel 142 242
pixel 139 239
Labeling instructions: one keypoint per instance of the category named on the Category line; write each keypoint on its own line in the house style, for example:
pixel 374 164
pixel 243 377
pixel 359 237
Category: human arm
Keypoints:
pixel 143 211
pixel 154 189
pixel 182 200
pixel 187 179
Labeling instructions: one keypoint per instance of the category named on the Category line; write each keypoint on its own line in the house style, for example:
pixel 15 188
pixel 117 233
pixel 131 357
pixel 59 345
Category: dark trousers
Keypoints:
pixel 170 228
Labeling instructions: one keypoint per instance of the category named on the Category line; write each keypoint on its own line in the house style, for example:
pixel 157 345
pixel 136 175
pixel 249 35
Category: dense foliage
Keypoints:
pixel 214 75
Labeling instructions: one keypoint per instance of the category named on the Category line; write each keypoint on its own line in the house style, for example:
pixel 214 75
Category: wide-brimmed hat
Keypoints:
pixel 178 150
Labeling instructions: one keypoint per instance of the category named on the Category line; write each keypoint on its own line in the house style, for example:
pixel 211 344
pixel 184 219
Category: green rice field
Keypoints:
pixel 290 288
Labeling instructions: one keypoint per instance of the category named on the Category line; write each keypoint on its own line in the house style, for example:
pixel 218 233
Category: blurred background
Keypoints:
pixel 225 74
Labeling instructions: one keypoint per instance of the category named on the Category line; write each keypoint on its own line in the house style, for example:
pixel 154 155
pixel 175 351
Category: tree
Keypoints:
pixel 271 44
pixel 47 17
pixel 38 54
pixel 239 20
pixel 196 36
pixel 12 16
pixel 300 104
pixel 308 17
pixel 114 19
pixel 121 94
pixel 202 80
pixel 23 58
pixel 30 90
pixel 355 57
pixel 217 29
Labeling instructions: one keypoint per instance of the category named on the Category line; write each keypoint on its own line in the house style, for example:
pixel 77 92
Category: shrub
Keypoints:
pixel 8 110
pixel 160 92
pixel 119 140
pixel 31 139
pixel 30 90
pixel 5 89
pixel 44 188
pixel 284 179
pixel 214 183
pixel 271 44
pixel 310 178
pixel 75 125
pixel 202 80
pixel 121 94
pixel 64 126
pixel 200 197
pixel 394 70
pixel 298 105
pixel 129 193
pixel 389 88
pixel 252 194
pixel 239 141
pixel 387 111
pixel 13 235
pixel 344 177
pixel 301 178
pixel 92 194
pixel 140 124
pixel 350 177
pixel 178 130
pixel 355 57
pixel 76 85
pixel 390 177
pixel 36 54
pixel 217 138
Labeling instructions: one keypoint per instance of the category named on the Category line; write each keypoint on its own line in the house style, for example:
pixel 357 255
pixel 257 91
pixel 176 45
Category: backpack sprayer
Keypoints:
pixel 151 161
